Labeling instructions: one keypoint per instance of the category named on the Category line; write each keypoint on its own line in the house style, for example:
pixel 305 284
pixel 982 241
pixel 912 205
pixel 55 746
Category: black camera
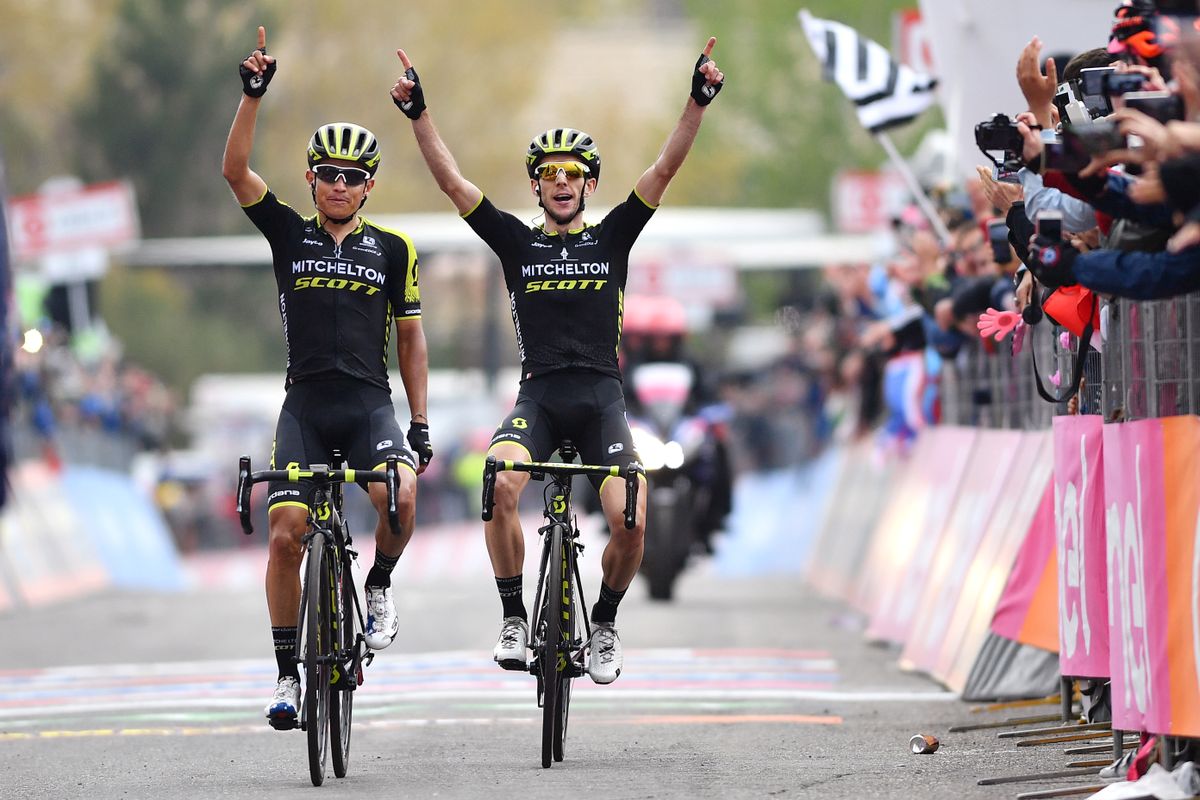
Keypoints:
pixel 1000 135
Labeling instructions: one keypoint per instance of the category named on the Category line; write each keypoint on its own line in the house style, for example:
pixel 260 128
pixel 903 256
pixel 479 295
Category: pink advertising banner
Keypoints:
pixel 910 555
pixel 1083 634
pixel 1134 489
pixel 945 584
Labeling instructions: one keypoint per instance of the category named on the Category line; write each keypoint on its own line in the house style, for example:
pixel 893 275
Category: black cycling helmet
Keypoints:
pixel 344 141
pixel 563 140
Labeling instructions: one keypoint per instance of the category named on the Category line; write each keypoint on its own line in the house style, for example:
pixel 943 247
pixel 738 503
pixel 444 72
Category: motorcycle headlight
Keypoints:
pixel 650 448
pixel 673 455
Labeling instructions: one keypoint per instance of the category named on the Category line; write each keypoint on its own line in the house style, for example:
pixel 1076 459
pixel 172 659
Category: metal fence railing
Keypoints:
pixel 1148 366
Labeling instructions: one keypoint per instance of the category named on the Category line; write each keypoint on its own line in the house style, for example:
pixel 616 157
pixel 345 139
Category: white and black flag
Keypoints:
pixel 885 93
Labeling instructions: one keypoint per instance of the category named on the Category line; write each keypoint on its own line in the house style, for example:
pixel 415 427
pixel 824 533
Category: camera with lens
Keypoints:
pixel 1000 135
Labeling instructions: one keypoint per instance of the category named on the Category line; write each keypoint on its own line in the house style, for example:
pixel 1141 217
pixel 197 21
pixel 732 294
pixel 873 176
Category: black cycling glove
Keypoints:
pixel 1051 262
pixel 416 101
pixel 255 84
pixel 702 91
pixel 418 439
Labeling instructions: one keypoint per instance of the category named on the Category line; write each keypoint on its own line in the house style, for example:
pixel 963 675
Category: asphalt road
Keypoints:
pixel 740 688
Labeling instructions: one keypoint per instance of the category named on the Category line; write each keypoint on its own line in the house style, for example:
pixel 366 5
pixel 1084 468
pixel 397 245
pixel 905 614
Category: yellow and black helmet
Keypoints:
pixel 344 141
pixel 563 140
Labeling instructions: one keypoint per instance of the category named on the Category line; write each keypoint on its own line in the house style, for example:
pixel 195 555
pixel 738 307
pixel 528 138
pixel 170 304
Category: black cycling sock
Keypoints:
pixel 285 651
pixel 380 575
pixel 511 596
pixel 605 609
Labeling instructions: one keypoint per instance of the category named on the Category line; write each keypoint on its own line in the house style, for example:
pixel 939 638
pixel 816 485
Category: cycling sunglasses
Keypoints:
pixel 351 176
pixel 572 169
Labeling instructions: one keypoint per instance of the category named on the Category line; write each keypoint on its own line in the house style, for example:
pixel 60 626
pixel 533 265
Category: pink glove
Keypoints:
pixel 997 322
pixel 1018 337
pixel 1056 378
pixel 1064 340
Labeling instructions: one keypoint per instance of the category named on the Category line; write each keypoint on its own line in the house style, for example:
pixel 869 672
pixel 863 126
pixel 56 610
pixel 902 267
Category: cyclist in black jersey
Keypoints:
pixel 566 282
pixel 342 282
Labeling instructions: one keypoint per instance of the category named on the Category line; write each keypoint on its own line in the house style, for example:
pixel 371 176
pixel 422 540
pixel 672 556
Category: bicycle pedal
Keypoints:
pixel 283 723
pixel 514 664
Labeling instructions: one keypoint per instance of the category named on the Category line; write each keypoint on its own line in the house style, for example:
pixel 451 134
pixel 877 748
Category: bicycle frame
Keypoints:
pixel 560 522
pixel 556 616
pixel 331 661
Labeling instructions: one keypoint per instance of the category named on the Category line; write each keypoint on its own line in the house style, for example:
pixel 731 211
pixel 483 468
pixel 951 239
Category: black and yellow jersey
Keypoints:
pixel 337 301
pixel 565 291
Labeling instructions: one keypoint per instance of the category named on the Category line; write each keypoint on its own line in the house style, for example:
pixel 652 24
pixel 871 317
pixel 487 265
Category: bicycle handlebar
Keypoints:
pixel 390 476
pixel 539 470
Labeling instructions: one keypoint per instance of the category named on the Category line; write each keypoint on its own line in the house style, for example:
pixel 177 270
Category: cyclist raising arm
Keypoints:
pixel 342 281
pixel 566 282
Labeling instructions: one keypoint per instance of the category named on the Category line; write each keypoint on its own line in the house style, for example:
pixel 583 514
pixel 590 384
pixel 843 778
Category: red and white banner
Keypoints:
pixel 102 215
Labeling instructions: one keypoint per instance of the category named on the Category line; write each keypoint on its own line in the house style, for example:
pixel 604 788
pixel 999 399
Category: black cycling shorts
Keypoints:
pixel 344 414
pixel 584 406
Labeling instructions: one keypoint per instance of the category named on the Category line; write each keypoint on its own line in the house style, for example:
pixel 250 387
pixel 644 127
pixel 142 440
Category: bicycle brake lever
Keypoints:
pixel 489 488
pixel 243 495
pixel 631 492
pixel 393 483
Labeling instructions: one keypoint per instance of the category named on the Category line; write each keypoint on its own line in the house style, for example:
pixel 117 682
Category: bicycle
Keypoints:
pixel 560 632
pixel 331 646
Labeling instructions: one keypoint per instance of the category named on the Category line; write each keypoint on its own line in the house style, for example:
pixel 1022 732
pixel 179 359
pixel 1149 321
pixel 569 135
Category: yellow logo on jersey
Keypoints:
pixel 568 285
pixel 334 283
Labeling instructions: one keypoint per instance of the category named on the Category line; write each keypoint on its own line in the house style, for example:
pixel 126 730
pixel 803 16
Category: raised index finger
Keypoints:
pixel 708 48
pixel 404 59
pixel 262 38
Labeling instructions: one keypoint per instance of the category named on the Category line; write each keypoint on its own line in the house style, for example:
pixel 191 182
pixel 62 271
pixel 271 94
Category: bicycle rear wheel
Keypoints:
pixel 553 657
pixel 341 696
pixel 318 646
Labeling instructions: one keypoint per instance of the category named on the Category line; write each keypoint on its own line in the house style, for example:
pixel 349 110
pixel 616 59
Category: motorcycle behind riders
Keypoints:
pixel 681 441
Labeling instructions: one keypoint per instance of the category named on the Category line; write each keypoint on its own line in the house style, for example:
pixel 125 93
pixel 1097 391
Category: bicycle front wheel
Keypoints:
pixel 554 655
pixel 570 623
pixel 341 696
pixel 318 647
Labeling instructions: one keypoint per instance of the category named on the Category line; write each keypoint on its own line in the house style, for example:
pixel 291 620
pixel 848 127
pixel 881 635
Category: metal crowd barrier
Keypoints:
pixel 1149 366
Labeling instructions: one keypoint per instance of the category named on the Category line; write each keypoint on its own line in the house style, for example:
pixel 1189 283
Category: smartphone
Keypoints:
pixel 1162 106
pixel 998 238
pixel 1120 83
pixel 1049 225
pixel 1094 79
pixel 1094 138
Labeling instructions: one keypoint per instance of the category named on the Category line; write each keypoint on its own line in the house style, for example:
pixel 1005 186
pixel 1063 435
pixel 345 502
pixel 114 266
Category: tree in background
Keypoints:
pixel 792 131
pixel 159 108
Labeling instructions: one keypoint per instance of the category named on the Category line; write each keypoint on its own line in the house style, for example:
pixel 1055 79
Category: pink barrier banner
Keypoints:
pixel 1081 546
pixel 1137 576
pixel 908 558
pixel 895 529
pixel 1019 494
pixel 992 457
pixel 1027 611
